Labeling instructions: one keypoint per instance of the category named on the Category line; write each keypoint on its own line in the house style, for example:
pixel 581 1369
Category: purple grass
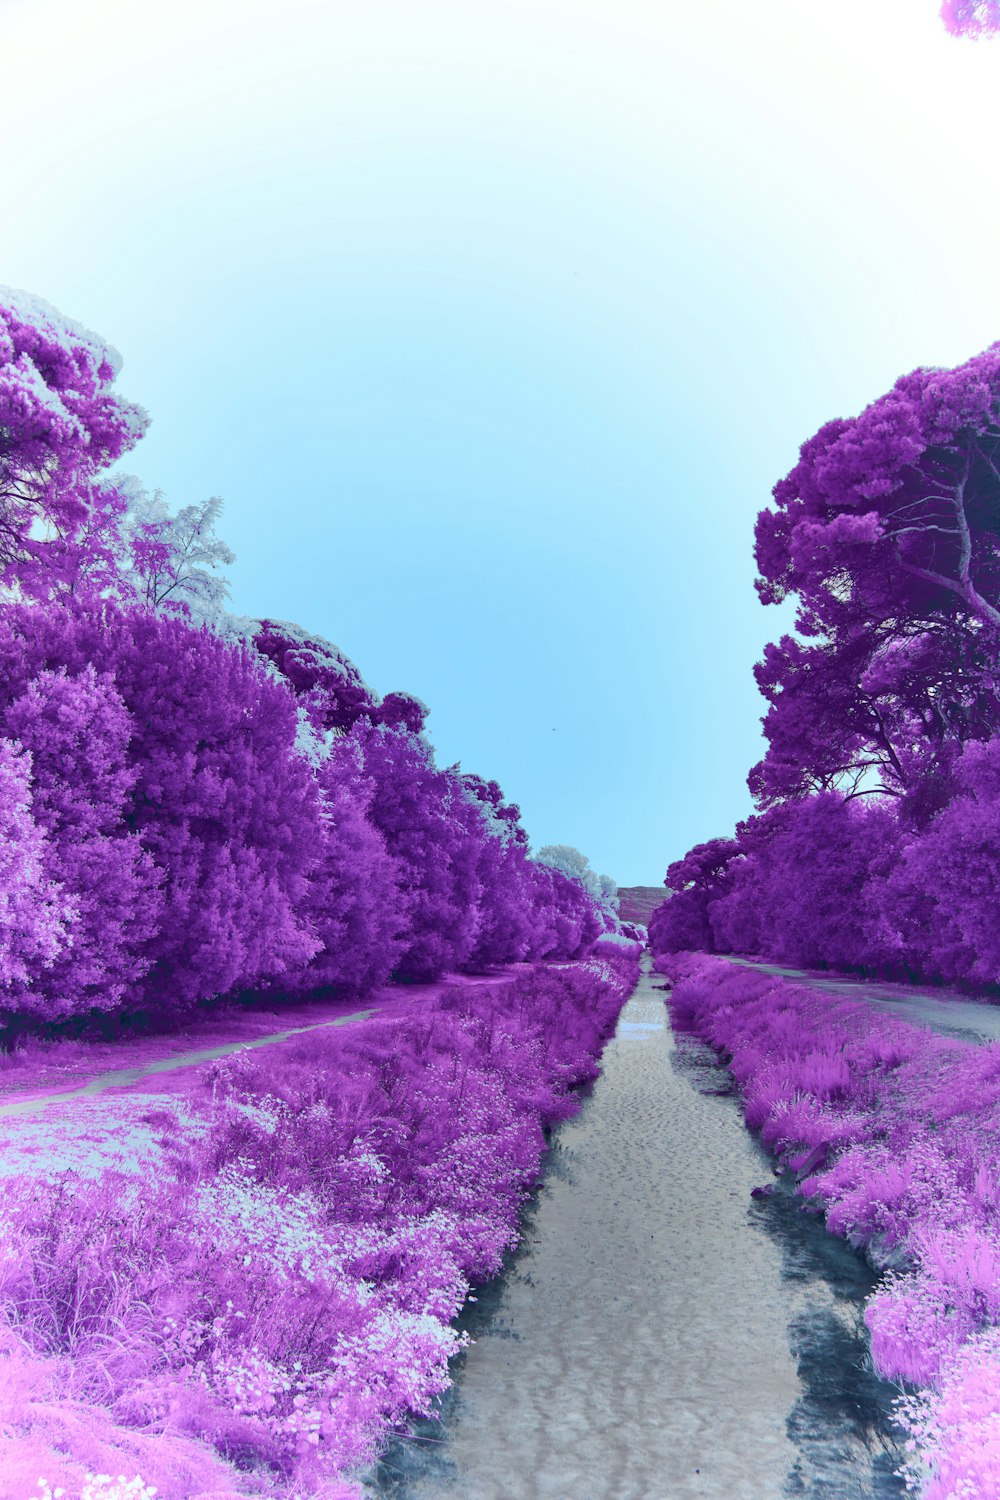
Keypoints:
pixel 257 1317
pixel 895 1132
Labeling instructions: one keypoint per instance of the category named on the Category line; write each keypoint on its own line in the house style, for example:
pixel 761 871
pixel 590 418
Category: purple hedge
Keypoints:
pixel 201 805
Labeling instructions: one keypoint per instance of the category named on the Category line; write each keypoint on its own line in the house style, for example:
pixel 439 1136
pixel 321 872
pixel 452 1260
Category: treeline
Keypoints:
pixel 876 845
pixel 194 805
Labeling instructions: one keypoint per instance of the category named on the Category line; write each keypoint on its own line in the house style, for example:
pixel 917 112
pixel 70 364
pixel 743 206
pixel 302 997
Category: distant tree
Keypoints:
pixel 173 560
pixel 571 862
pixel 577 866
pixel 683 921
pixel 567 918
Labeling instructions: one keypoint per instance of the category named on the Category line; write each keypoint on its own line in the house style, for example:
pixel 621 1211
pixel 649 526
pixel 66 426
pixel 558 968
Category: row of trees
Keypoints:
pixel 192 804
pixel 877 840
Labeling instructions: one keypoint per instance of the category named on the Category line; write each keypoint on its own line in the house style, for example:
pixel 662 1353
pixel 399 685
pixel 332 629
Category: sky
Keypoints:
pixel 494 322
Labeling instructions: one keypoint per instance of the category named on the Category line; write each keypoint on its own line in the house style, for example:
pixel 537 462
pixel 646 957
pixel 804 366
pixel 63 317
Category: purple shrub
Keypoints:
pixel 954 1447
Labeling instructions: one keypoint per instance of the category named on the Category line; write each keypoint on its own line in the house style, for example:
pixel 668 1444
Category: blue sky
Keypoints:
pixel 495 323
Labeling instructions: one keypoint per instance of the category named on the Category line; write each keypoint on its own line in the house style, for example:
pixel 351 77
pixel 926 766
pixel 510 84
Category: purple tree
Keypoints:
pixel 325 681
pixel 61 426
pixel 887 532
pixel 942 897
pixel 355 904
pixel 220 799
pixel 682 922
pixel 973 18
pixel 34 909
pixel 567 921
pixel 434 832
pixel 506 919
pixel 170 561
pixel 403 710
pixel 77 731
pixel 804 888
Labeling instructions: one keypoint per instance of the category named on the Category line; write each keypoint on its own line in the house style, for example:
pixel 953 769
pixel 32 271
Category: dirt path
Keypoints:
pixel 93 1108
pixel 617 1360
pixel 66 1071
pixel 123 1077
pixel 942 1010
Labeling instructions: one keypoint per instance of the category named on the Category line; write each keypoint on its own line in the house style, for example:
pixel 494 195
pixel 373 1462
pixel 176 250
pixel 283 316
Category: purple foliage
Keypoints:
pixel 195 852
pixel 894 1131
pixel 971 17
pixel 885 533
pixel 356 905
pixel 801 866
pixel 61 425
pixel 34 910
pixel 281 1292
pixel 403 709
pixel 77 731
pixel 329 686
pixel 433 832
pixel 682 923
pixel 211 795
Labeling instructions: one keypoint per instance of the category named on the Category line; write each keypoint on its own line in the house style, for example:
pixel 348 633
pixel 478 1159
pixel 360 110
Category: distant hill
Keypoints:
pixel 636 903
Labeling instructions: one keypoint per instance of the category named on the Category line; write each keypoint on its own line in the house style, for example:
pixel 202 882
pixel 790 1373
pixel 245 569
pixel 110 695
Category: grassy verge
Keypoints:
pixel 257 1314
pixel 894 1132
